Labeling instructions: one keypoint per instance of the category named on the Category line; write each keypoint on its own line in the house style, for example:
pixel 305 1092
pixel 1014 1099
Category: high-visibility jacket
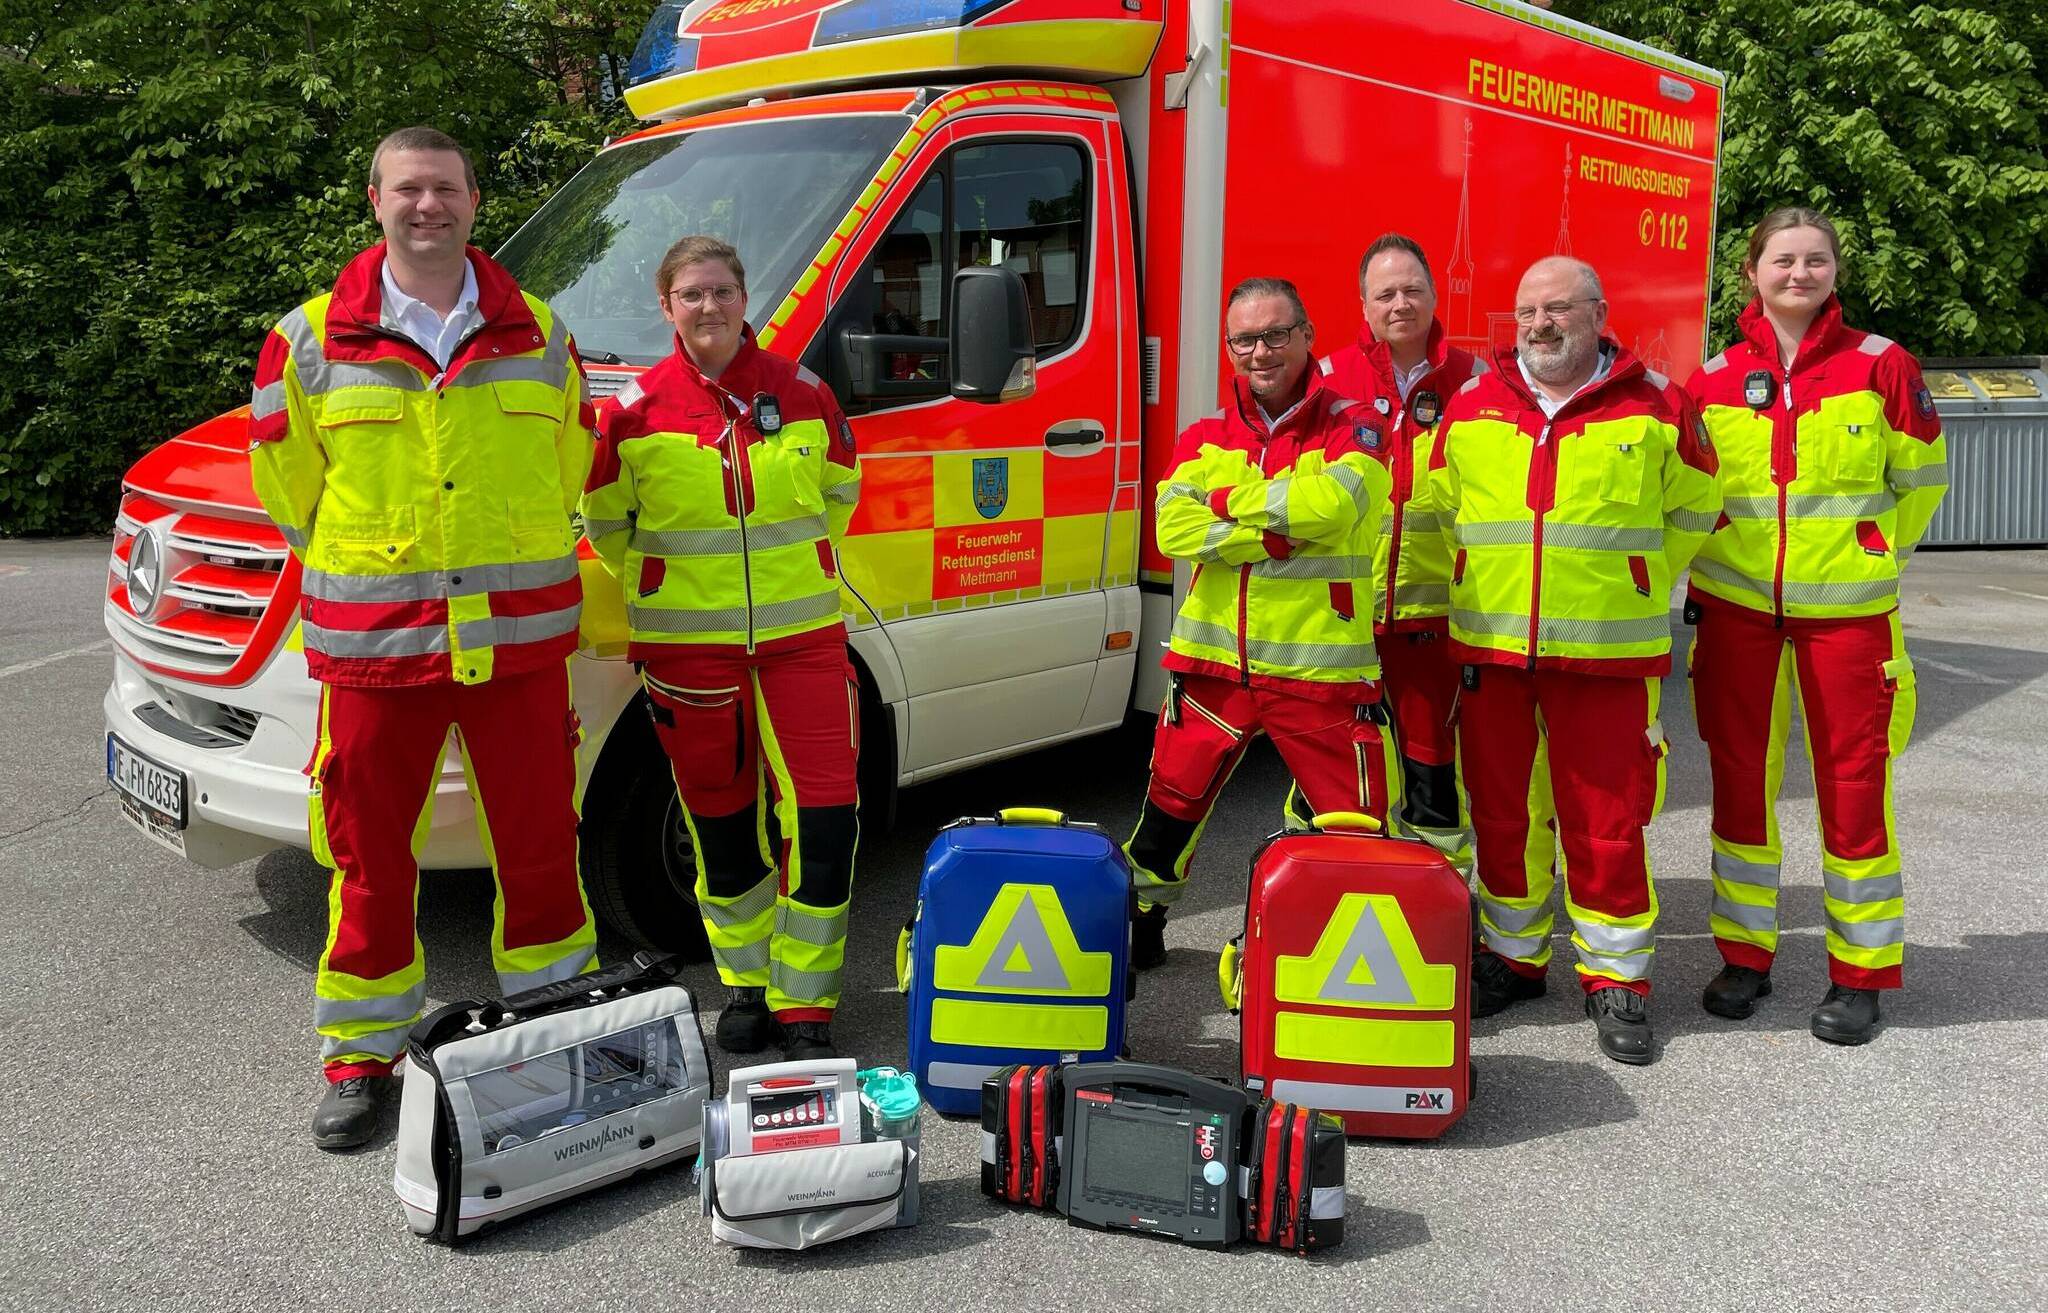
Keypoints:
pixel 1567 532
pixel 430 507
pixel 719 503
pixel 1280 526
pixel 1831 469
pixel 1411 565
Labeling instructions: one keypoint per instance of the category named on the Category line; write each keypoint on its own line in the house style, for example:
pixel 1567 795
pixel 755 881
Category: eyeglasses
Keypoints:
pixel 1243 344
pixel 1526 314
pixel 693 297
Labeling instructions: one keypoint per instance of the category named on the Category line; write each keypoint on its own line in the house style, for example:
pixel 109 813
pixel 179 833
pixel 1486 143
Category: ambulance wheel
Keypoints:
pixel 639 867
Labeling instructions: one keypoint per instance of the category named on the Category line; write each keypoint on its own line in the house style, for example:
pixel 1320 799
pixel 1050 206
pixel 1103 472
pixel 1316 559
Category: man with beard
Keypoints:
pixel 1574 485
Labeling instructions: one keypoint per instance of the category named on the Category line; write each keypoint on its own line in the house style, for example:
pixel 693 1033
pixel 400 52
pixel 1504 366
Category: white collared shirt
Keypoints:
pixel 419 321
pixel 1406 379
pixel 1274 422
pixel 1550 408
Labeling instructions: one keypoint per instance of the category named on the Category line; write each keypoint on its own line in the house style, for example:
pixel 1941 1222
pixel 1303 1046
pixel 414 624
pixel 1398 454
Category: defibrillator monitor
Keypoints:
pixel 1151 1149
pixel 559 1091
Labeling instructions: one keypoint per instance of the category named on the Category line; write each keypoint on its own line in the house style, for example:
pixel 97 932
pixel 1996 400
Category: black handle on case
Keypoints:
pixel 543 999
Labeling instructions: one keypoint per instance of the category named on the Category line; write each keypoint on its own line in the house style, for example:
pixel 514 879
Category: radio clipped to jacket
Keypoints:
pixel 517 1103
pixel 794 1158
pixel 1131 1146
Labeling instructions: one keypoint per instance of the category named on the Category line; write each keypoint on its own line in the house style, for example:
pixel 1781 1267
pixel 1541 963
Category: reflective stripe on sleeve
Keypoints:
pixel 1920 476
pixel 1316 567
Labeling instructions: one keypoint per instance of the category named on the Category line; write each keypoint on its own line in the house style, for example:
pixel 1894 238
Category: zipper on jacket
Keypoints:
pixel 1404 464
pixel 1785 475
pixel 1548 454
pixel 734 456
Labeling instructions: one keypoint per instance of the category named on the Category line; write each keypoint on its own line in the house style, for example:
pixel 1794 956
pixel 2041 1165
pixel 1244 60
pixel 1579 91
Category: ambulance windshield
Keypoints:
pixel 774 189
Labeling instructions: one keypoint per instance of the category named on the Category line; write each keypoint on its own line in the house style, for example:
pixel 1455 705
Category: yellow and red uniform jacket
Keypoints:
pixel 429 507
pixel 1567 532
pixel 1831 469
pixel 1280 526
pixel 1411 568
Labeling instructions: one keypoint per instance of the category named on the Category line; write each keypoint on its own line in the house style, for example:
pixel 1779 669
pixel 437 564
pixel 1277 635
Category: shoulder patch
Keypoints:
pixel 845 434
pixel 1875 345
pixel 1715 365
pixel 1923 401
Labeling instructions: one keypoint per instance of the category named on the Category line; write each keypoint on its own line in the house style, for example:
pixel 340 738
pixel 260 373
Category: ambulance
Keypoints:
pixel 1119 164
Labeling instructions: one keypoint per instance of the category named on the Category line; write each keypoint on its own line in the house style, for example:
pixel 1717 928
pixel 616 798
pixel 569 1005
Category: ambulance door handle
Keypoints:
pixel 1070 436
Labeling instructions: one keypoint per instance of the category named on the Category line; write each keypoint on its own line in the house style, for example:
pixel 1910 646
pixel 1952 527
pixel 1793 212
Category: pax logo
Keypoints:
pixel 1427 1101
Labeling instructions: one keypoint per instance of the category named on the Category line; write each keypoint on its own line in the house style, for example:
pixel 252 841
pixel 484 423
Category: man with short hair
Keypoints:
pixel 1575 485
pixel 420 435
pixel 1276 500
pixel 1404 368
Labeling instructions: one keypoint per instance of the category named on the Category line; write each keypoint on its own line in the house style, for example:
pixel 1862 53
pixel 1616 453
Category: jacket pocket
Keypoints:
pixel 538 533
pixel 1871 538
pixel 1341 600
pixel 350 542
pixel 1857 445
pixel 1189 758
pixel 1621 470
pixel 362 404
pixel 1901 701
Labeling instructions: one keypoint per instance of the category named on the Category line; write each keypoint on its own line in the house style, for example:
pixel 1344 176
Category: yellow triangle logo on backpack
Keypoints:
pixel 1366 958
pixel 1024 945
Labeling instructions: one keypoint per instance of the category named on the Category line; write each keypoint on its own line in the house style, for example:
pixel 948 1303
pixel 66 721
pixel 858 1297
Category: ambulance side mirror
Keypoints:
pixel 994 357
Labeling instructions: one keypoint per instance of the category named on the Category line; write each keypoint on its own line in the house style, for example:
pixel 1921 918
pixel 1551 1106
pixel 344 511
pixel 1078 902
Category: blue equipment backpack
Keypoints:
pixel 1019 951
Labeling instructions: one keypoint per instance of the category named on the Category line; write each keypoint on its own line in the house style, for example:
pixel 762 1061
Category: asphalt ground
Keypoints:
pixel 158 1066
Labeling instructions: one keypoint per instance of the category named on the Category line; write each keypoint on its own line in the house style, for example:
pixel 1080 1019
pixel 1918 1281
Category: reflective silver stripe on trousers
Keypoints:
pixel 1869 934
pixel 1514 920
pixel 724 914
pixel 1693 521
pixel 726 542
pixel 267 400
pixel 1316 567
pixel 1632 966
pixel 1422 595
pixel 1300 655
pixel 384 1045
pixel 1810 506
pixel 742 958
pixel 1873 889
pixel 597 529
pixel 804 985
pixel 1520 947
pixel 799 922
pixel 1733 870
pixel 567 968
pixel 394 1008
pixel 1749 916
pixel 1511 624
pixel 1560 533
pixel 1924 476
pixel 463 581
pixel 727 619
pixel 1613 940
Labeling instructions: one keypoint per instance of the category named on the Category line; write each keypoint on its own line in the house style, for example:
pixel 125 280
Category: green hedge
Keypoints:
pixel 179 175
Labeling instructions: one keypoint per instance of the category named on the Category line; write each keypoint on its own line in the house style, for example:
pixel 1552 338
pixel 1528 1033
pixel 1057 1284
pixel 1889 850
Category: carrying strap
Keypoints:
pixel 644 971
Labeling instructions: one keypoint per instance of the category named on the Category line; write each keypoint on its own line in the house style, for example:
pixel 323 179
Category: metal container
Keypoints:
pixel 1995 415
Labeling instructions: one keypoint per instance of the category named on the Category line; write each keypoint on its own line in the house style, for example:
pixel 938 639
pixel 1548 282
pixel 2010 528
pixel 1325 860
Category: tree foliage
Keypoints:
pixel 1917 127
pixel 180 175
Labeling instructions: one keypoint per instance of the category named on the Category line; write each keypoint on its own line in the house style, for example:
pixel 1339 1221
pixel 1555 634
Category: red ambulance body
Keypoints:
pixel 1128 160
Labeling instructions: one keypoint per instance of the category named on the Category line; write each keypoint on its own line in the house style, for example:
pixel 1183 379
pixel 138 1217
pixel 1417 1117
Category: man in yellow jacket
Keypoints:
pixel 1276 500
pixel 420 435
pixel 1575 485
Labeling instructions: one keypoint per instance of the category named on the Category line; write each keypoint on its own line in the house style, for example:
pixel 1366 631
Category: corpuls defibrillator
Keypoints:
pixel 799 1154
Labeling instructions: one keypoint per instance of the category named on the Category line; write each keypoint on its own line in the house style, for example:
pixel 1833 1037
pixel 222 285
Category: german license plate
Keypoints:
pixel 152 794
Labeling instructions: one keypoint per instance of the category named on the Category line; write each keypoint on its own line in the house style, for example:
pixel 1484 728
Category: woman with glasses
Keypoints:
pixel 1832 463
pixel 724 479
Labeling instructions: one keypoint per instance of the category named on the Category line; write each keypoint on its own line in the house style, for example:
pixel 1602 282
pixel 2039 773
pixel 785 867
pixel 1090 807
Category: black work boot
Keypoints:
pixel 1733 993
pixel 806 1040
pixel 746 1025
pixel 347 1115
pixel 1496 986
pixel 1148 938
pixel 1623 1017
pixel 1846 1016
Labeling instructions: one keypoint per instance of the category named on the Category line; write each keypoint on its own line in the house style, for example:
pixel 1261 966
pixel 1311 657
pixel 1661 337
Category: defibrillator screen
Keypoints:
pixel 1146 1157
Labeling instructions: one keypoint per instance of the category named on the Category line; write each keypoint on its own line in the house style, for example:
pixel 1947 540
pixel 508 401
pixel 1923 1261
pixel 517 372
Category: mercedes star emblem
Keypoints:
pixel 145 571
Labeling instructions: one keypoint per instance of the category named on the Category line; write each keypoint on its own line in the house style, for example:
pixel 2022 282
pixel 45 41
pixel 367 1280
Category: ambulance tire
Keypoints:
pixel 639 869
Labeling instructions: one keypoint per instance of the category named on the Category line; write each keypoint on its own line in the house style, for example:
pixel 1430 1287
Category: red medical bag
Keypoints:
pixel 1352 979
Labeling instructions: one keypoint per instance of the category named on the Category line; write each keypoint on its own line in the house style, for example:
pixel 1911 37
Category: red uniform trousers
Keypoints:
pixel 1605 750
pixel 1338 752
pixel 1854 686
pixel 782 725
pixel 374 769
